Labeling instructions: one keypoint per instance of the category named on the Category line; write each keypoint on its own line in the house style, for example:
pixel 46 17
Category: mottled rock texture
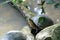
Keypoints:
pixel 52 9
pixel 49 33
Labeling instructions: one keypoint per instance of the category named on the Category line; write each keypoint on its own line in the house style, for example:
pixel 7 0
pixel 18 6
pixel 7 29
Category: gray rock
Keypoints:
pixel 24 34
pixel 49 33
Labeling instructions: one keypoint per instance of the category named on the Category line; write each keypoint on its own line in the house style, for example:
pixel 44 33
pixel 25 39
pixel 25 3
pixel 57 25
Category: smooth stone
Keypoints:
pixel 23 34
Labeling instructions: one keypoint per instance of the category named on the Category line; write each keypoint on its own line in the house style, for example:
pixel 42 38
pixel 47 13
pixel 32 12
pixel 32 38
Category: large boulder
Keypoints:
pixel 49 33
pixel 23 34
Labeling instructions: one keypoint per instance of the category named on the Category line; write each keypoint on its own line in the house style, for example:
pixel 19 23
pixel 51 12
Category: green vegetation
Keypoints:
pixel 41 19
pixel 16 2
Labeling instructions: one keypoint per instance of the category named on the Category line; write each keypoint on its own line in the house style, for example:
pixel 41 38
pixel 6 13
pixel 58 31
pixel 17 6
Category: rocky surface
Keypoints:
pixel 49 33
pixel 52 9
pixel 9 20
pixel 23 34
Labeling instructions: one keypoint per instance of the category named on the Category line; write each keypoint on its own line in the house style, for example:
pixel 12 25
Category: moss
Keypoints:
pixel 56 33
pixel 17 1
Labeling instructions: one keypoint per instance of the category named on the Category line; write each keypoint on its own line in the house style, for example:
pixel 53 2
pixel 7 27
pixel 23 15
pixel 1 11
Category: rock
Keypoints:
pixel 53 10
pixel 39 22
pixel 34 28
pixel 42 21
pixel 56 34
pixel 24 34
pixel 49 33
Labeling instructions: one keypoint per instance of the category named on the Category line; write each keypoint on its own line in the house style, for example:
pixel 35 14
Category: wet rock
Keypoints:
pixel 42 21
pixel 24 34
pixel 49 33
pixel 39 22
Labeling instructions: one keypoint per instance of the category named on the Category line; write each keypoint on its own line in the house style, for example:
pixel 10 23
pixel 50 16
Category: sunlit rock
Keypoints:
pixel 49 33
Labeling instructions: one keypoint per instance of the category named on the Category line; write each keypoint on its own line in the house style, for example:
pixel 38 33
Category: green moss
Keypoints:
pixel 56 33
pixel 41 19
pixel 17 1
